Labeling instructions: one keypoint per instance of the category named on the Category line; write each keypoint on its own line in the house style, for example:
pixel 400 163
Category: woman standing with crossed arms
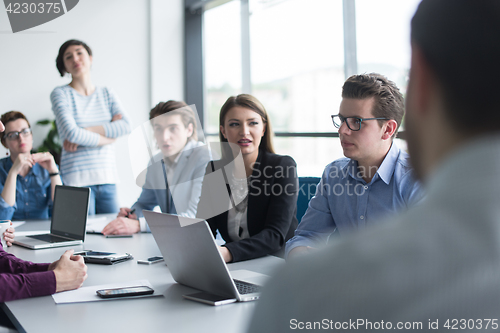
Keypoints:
pixel 89 119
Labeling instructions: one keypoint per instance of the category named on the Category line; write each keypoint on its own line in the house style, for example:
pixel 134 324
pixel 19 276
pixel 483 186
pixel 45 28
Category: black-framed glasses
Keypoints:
pixel 11 136
pixel 354 123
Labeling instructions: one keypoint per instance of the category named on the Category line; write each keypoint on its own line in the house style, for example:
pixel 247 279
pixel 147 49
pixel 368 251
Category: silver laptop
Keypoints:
pixel 69 219
pixel 191 254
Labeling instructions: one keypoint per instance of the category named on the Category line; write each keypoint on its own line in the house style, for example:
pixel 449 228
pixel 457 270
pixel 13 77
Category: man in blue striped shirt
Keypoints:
pixel 374 180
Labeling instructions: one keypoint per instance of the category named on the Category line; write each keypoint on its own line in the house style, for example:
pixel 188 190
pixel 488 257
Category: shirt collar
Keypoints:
pixel 352 168
pixel 388 165
pixel 186 151
pixel 385 170
pixel 37 170
pixel 7 162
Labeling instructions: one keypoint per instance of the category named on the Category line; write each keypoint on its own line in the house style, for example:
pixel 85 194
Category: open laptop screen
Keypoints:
pixel 69 215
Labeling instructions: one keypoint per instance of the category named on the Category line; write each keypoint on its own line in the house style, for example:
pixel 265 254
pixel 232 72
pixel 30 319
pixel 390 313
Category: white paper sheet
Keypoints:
pixel 96 224
pixel 88 294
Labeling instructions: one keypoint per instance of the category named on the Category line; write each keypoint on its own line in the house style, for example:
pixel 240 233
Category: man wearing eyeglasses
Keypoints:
pixel 436 266
pixel 374 179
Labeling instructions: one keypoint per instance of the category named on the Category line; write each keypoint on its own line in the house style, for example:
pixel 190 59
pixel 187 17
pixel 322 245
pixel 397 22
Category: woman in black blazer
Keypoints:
pixel 258 187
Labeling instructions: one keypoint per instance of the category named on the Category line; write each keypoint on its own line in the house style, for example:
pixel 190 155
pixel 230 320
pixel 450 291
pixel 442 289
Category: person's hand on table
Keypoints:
pixel 127 212
pixel 8 235
pixel 70 271
pixel 122 226
pixel 228 257
pixel 69 146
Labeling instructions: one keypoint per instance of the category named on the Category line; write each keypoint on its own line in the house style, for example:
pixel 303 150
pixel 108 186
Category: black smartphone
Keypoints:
pixel 106 258
pixel 150 260
pixel 125 292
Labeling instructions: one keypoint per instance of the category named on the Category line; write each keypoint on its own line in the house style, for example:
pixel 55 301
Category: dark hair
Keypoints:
pixel 60 56
pixel 459 41
pixel 252 103
pixel 389 102
pixel 173 108
pixel 8 117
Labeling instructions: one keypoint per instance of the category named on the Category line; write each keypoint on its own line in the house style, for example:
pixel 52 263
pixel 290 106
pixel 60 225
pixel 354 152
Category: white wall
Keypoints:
pixel 129 40
pixel 167 50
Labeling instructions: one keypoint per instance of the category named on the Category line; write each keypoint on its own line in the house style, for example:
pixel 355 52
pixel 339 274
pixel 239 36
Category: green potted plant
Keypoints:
pixel 51 143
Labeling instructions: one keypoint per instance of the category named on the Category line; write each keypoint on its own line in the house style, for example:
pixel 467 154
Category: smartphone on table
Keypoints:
pixel 151 260
pixel 125 292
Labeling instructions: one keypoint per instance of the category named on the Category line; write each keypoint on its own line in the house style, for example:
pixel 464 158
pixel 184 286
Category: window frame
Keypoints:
pixel 194 67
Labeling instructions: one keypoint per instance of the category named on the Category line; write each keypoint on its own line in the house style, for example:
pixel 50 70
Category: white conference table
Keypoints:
pixel 170 313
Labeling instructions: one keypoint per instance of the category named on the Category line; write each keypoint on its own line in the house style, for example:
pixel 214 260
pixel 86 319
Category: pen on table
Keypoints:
pixel 131 212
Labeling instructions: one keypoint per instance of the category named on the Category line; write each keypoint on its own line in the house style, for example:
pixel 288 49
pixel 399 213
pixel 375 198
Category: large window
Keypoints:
pixel 297 61
pixel 290 55
pixel 222 38
pixel 383 37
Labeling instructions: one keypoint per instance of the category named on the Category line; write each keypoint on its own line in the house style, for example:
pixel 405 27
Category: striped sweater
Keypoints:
pixel 89 164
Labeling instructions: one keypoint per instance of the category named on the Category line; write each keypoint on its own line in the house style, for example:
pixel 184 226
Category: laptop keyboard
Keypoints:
pixel 246 288
pixel 49 238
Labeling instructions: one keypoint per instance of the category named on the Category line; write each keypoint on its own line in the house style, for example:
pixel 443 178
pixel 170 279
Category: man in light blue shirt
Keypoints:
pixel 374 180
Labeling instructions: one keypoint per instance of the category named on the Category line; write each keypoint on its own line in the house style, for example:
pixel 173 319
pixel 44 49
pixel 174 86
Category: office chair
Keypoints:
pixel 307 189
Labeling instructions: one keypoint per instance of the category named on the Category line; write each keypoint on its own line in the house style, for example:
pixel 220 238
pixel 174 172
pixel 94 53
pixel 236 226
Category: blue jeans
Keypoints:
pixel 103 199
